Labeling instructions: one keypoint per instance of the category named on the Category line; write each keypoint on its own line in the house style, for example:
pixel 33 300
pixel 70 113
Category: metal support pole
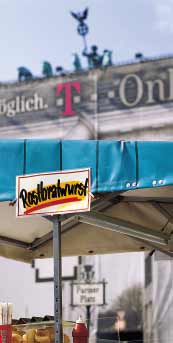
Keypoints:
pixel 57 279
pixel 88 315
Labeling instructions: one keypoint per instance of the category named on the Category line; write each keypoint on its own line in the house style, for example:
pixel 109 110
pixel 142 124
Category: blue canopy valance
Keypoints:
pixel 115 165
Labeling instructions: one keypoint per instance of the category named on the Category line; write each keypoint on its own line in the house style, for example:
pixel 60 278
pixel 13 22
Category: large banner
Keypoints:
pixel 97 91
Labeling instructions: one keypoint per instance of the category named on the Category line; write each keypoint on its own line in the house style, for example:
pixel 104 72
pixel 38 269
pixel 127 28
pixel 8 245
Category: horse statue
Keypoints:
pixel 60 71
pixel 77 62
pixel 107 58
pixel 47 70
pixel 24 74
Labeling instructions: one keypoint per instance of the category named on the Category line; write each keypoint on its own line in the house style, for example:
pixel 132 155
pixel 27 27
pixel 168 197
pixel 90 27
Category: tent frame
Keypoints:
pixel 98 219
pixel 154 239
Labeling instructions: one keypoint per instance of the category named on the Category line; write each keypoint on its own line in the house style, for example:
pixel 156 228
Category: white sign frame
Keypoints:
pixel 35 191
pixel 86 294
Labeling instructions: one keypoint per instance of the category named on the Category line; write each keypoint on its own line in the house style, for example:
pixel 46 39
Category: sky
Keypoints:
pixel 32 31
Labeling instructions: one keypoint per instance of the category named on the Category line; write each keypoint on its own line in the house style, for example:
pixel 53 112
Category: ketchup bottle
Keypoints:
pixel 80 332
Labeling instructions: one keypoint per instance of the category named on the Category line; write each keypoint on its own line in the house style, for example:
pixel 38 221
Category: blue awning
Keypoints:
pixel 115 165
pixel 132 209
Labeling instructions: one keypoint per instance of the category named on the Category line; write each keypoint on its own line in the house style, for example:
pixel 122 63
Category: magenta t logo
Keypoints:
pixel 68 86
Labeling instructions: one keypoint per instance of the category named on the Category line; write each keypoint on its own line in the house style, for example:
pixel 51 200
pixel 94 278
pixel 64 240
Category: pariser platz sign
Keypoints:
pixel 84 294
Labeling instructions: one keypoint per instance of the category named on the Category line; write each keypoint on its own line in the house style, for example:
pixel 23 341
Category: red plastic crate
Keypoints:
pixel 6 333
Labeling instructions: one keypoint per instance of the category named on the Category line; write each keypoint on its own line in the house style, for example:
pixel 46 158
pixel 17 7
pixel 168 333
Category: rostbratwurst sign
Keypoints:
pixel 52 193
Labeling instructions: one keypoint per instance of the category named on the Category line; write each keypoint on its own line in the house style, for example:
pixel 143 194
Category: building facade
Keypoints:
pixel 120 102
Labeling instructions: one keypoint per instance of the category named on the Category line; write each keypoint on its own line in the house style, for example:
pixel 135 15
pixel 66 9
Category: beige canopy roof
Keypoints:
pixel 135 220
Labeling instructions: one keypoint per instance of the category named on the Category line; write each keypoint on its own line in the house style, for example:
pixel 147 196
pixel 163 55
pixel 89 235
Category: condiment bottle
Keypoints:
pixel 80 332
